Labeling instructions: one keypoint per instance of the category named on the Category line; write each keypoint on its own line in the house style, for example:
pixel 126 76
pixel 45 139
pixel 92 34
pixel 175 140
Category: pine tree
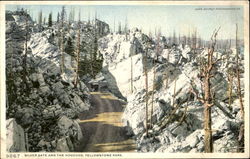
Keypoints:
pixel 189 38
pixel 44 21
pixel 150 34
pixel 70 17
pixel 94 48
pixel 179 39
pixel 185 40
pixel 174 37
pixel 84 66
pixel 73 14
pixel 126 29
pixel 119 28
pixel 50 20
pixel 58 17
pixel 114 24
pixel 199 42
pixel 194 40
pixel 40 19
pixel 94 61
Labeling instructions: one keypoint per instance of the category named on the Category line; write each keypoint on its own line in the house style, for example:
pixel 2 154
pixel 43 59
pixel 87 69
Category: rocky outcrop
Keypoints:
pixel 177 115
pixel 15 137
pixel 39 97
pixel 70 133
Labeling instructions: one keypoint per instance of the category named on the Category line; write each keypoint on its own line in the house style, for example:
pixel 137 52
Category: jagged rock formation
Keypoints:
pixel 177 114
pixel 42 101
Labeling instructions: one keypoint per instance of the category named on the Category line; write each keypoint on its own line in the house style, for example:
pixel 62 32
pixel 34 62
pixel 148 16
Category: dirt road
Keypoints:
pixel 102 128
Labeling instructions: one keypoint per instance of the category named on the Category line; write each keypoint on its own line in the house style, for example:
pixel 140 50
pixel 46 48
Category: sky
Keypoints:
pixel 167 18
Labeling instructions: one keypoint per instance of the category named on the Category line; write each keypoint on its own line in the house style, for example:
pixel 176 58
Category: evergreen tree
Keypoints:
pixel 84 62
pixel 126 28
pixel 40 17
pixel 174 37
pixel 44 21
pixel 63 14
pixel 94 48
pixel 114 25
pixel 58 17
pixel 119 28
pixel 188 38
pixel 70 17
pixel 194 40
pixel 50 20
pixel 93 56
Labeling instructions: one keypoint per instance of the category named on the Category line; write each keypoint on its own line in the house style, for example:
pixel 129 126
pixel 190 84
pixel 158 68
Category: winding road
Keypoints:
pixel 102 127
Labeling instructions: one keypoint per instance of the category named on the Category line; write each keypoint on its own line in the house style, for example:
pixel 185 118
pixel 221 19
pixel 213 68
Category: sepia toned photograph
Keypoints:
pixel 124 78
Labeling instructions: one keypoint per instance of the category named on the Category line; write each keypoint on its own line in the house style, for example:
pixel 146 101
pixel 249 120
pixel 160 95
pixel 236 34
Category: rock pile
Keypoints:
pixel 42 105
pixel 177 115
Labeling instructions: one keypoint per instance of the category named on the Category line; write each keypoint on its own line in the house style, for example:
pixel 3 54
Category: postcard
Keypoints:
pixel 124 79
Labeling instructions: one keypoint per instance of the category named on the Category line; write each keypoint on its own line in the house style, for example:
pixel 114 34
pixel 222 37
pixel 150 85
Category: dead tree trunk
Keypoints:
pixel 230 84
pixel 152 100
pixel 242 128
pixel 62 51
pixel 207 100
pixel 208 95
pixel 59 38
pixel 63 16
pixel 238 76
pixel 146 87
pixel 207 116
pixel 174 92
pixel 131 74
pixel 166 85
pixel 154 72
pixel 77 58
